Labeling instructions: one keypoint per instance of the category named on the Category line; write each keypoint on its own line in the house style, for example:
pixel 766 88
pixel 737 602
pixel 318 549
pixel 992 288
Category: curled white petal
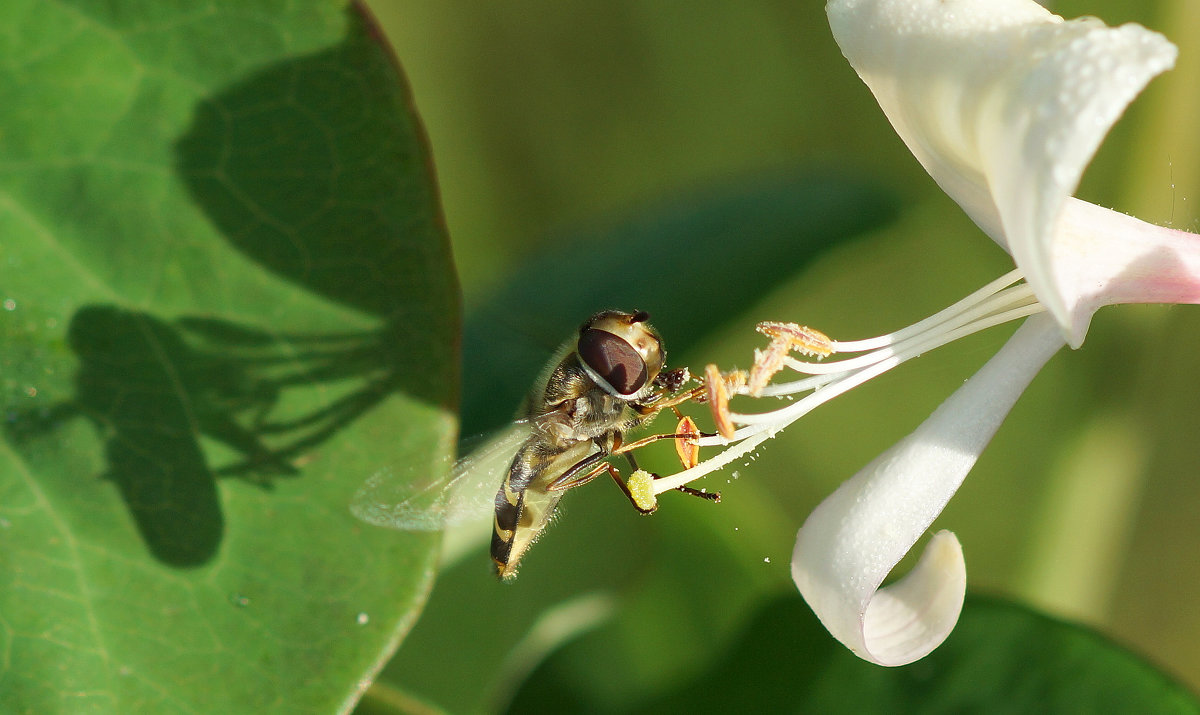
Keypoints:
pixel 854 538
pixel 1003 103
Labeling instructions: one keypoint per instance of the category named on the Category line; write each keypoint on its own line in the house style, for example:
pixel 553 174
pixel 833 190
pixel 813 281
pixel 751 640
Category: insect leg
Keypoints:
pixel 630 446
pixel 580 473
pixel 656 402
pixel 682 397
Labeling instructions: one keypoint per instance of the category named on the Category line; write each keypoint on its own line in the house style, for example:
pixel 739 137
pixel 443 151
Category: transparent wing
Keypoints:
pixel 398 497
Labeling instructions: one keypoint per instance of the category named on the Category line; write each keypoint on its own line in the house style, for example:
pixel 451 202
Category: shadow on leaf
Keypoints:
pixel 154 390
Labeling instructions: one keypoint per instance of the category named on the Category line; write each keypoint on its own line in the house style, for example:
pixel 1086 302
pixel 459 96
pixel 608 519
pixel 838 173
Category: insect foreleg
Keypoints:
pixel 630 446
pixel 682 397
pixel 659 401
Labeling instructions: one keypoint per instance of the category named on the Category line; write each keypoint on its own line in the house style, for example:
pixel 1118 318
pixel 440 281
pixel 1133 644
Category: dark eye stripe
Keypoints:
pixel 613 359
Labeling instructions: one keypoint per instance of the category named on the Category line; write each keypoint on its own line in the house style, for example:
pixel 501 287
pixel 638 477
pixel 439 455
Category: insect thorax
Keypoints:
pixel 573 408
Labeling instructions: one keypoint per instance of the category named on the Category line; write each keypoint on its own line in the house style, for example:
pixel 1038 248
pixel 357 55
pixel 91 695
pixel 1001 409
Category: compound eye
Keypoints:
pixel 613 359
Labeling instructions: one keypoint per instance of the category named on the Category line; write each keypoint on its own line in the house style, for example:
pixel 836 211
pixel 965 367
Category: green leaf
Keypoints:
pixel 1001 657
pixel 227 298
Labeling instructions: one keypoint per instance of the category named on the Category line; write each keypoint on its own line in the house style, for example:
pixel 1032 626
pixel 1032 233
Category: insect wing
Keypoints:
pixel 401 498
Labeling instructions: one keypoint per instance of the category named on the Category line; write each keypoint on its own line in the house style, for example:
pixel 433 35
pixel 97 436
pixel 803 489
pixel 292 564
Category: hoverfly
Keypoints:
pixel 606 381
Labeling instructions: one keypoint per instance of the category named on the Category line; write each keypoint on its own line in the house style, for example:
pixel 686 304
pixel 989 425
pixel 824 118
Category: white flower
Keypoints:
pixel 1004 105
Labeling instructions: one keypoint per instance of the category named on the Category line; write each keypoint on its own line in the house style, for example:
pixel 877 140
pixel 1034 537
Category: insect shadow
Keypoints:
pixel 155 389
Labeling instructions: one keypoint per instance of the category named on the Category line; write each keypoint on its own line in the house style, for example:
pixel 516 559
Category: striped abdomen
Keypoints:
pixel 524 505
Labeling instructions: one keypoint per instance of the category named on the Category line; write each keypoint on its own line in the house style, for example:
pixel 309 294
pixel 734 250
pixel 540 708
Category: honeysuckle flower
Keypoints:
pixel 1004 104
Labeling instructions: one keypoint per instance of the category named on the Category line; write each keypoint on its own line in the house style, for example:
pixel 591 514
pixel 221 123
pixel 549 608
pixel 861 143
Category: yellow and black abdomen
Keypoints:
pixel 524 505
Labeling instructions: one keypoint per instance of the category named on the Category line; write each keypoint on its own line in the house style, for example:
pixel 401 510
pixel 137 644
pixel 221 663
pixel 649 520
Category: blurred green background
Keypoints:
pixel 568 135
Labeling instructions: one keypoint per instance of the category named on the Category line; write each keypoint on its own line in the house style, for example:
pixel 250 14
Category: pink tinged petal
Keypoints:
pixel 857 535
pixel 1003 103
pixel 1103 257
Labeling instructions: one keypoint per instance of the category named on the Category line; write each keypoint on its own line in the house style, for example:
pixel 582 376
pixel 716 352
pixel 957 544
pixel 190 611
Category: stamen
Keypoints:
pixel 801 338
pixel 641 490
pixel 686 447
pixel 941 316
pixel 998 302
pixel 1001 307
pixel 785 337
pixel 719 386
